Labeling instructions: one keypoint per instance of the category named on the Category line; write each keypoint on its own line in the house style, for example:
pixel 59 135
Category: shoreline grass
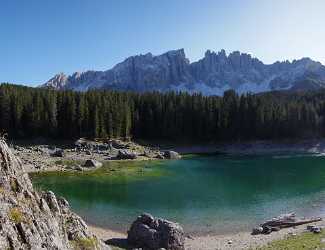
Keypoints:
pixel 303 241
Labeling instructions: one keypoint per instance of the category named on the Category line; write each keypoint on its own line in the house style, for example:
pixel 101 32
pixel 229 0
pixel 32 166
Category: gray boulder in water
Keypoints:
pixel 148 232
pixel 172 155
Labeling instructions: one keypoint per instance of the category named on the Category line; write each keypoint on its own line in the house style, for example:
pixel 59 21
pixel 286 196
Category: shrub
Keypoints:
pixel 16 215
pixel 86 243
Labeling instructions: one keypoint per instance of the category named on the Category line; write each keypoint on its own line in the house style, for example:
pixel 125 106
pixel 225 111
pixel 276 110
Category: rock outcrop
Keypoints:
pixel 58 81
pixel 146 232
pixel 47 157
pixel 126 155
pixel 212 75
pixel 33 220
pixel 116 149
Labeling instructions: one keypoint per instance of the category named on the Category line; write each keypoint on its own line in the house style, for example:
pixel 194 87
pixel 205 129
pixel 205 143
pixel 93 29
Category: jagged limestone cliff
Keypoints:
pixel 212 75
pixel 33 220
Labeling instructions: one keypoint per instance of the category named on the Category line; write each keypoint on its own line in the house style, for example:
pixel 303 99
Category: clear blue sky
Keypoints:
pixel 40 38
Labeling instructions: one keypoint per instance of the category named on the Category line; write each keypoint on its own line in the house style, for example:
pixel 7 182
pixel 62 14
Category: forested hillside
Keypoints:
pixel 30 112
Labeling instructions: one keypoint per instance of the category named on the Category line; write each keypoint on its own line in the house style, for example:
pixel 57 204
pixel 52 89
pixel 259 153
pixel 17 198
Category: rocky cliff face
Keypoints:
pixel 58 81
pixel 32 220
pixel 211 75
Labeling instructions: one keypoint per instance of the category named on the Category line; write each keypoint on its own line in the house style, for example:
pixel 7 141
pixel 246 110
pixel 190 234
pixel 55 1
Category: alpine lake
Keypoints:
pixel 204 193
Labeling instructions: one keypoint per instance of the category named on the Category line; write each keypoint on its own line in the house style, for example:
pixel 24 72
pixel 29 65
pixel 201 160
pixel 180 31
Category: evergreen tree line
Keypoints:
pixel 33 112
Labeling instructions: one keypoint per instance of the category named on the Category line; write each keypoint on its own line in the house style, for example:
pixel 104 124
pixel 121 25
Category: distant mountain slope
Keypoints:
pixel 212 75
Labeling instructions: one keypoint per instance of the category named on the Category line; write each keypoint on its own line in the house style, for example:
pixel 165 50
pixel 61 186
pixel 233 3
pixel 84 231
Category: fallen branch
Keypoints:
pixel 282 221
pixel 284 224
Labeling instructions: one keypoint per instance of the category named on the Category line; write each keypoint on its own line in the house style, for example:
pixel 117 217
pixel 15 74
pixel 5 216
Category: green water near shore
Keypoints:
pixel 206 194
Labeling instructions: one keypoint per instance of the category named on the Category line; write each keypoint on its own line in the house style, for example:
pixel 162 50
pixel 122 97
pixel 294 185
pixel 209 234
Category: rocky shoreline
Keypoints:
pixel 72 157
pixel 230 241
pixel 85 155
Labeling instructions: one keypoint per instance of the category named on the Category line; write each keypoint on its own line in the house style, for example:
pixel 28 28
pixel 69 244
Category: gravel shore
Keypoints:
pixel 243 240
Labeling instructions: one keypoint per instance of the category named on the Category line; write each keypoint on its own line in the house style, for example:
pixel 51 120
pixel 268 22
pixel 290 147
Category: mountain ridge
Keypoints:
pixel 215 73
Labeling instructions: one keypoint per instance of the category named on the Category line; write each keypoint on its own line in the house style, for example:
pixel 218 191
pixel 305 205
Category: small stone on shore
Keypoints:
pixel 93 164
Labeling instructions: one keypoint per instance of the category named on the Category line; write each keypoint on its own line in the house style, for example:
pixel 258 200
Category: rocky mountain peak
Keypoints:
pixel 180 53
pixel 58 81
pixel 211 75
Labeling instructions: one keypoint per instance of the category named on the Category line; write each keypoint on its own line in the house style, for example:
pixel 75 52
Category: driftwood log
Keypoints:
pixel 282 221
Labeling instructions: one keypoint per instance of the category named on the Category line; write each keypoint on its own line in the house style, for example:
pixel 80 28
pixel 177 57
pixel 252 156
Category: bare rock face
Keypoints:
pixel 146 232
pixel 57 82
pixel 211 75
pixel 32 220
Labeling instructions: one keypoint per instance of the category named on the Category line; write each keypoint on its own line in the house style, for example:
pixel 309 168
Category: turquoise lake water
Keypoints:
pixel 206 194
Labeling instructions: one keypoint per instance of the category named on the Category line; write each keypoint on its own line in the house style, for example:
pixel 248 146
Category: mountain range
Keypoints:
pixel 215 73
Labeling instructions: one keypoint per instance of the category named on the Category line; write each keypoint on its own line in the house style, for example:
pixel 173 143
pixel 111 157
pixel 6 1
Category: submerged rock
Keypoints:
pixel 148 232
